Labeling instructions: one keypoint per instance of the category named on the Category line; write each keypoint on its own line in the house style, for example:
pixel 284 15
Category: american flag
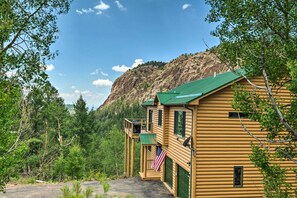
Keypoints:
pixel 160 156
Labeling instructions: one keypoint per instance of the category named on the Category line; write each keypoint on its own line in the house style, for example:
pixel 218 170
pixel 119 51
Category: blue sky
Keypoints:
pixel 99 40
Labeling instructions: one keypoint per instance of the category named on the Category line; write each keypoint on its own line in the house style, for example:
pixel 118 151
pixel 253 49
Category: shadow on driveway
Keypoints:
pixel 121 188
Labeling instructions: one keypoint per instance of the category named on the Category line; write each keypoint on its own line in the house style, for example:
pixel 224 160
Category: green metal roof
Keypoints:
pixel 148 139
pixel 193 90
pixel 149 102
pixel 163 97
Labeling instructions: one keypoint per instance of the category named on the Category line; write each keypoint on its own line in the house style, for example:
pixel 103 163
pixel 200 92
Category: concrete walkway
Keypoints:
pixel 121 188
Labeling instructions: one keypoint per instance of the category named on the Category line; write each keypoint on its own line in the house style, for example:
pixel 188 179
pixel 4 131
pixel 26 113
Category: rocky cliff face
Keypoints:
pixel 144 81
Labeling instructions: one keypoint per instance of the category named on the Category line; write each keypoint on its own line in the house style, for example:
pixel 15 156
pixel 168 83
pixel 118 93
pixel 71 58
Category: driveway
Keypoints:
pixel 121 188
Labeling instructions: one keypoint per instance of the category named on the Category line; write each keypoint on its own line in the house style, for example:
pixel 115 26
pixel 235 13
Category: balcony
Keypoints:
pixel 134 126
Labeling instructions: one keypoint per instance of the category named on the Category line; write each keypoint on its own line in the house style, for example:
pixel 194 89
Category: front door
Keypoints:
pixel 182 183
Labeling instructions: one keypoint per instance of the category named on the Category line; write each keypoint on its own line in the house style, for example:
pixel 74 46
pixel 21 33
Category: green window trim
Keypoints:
pixel 179 123
pixel 238 176
pixel 160 117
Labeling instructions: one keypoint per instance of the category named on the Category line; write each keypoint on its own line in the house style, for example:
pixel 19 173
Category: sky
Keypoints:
pixel 101 39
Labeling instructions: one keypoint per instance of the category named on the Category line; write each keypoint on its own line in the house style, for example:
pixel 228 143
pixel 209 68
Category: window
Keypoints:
pixel 150 122
pixel 179 123
pixel 237 114
pixel 160 113
pixel 238 177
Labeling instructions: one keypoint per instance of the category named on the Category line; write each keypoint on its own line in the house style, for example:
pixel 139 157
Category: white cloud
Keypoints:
pixel 120 6
pixel 102 83
pixel 95 72
pixel 86 93
pixel 77 91
pixel 84 11
pixel 49 67
pixel 79 12
pixel 123 68
pixel 89 10
pixel 185 6
pixel 137 62
pixel 98 71
pixel 103 74
pixel 73 87
pixel 101 7
pixel 120 68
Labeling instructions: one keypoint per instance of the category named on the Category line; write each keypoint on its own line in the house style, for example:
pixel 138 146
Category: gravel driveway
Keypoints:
pixel 121 188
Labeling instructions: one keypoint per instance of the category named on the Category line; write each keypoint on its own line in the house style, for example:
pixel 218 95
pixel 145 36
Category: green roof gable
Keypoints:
pixel 149 102
pixel 148 139
pixel 188 92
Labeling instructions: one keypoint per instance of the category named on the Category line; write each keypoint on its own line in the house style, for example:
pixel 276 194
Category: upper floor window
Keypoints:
pixel 238 115
pixel 150 120
pixel 160 114
pixel 179 123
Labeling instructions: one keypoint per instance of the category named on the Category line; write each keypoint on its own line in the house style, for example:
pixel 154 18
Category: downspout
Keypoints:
pixel 187 107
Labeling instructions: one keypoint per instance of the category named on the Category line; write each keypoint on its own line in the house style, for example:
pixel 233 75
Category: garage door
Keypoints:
pixel 168 171
pixel 182 183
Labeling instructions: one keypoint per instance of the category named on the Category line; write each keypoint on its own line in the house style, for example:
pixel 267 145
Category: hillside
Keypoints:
pixel 142 82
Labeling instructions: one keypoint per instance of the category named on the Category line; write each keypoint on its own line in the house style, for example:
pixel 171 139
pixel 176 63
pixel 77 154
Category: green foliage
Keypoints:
pixel 75 163
pixel 82 122
pixel 10 154
pixel 104 183
pixel 88 192
pixel 66 192
pixel 59 168
pixel 114 114
pixel 76 191
pixel 112 152
pixel 274 177
pixel 37 22
pixel 159 64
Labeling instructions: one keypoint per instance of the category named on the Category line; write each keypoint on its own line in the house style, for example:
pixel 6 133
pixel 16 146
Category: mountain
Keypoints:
pixel 144 81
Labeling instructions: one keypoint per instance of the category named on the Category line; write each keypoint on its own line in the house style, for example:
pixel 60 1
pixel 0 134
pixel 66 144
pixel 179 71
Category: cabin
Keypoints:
pixel 194 141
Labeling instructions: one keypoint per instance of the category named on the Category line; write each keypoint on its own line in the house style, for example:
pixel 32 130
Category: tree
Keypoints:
pixel 75 163
pixel 27 29
pixel 82 122
pixel 112 152
pixel 48 127
pixel 261 38
pixel 11 151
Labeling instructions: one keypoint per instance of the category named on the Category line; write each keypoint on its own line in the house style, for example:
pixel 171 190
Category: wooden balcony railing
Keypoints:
pixel 134 126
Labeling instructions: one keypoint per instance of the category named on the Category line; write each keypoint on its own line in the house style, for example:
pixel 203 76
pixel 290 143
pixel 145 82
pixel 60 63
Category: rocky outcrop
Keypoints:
pixel 144 81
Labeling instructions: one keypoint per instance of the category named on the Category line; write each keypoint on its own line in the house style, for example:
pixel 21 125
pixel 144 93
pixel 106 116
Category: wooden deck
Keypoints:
pixel 133 127
pixel 150 175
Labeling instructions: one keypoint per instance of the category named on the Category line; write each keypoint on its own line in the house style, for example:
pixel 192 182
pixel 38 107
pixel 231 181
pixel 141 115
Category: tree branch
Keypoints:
pixel 271 96
pixel 22 28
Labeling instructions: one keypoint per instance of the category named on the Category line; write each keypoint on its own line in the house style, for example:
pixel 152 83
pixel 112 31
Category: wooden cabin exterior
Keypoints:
pixel 217 163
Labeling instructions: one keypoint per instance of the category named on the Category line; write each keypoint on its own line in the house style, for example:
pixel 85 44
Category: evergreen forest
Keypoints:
pixel 42 140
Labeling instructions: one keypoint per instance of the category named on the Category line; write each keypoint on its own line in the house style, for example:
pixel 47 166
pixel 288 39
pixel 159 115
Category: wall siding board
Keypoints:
pixel 222 144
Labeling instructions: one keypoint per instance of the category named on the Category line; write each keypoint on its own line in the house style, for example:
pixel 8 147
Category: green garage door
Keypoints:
pixel 182 183
pixel 168 171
